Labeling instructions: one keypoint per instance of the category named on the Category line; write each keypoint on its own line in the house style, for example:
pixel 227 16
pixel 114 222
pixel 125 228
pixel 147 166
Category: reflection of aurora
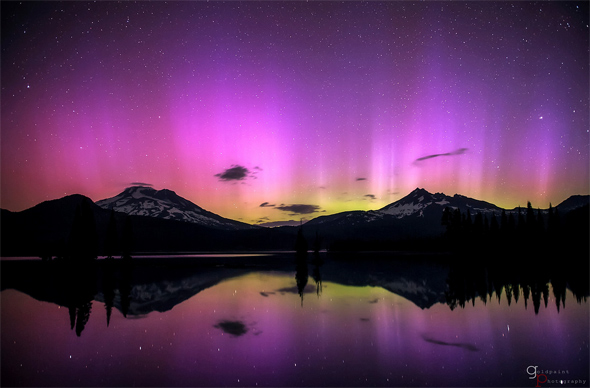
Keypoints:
pixel 215 327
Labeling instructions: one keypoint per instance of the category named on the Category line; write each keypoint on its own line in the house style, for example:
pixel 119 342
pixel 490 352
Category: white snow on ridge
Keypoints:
pixel 174 210
pixel 443 202
pixel 137 194
pixel 403 210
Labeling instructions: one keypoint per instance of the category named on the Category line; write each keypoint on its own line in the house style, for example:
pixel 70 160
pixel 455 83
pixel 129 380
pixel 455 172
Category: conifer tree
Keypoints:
pixel 127 239
pixel 494 227
pixel 111 240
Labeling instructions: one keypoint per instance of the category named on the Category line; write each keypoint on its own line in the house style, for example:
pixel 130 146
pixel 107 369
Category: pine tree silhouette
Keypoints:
pixel 83 241
pixel 111 243
pixel 300 242
pixel 301 277
pixel 127 239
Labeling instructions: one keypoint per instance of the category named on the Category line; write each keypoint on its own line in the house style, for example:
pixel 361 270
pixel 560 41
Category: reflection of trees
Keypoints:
pixel 108 288
pixel 125 286
pixel 82 316
pixel 316 275
pixel 79 280
pixel 301 275
pixel 467 282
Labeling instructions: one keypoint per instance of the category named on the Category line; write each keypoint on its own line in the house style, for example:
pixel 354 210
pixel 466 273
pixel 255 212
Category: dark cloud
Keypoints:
pixel 273 224
pixel 361 179
pixel 470 347
pixel 456 152
pixel 141 184
pixel 374 301
pixel 234 328
pixel 299 208
pixel 234 173
pixel 266 204
pixel 370 196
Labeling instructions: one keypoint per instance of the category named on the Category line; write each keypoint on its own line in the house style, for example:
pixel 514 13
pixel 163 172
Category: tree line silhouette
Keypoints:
pixel 82 244
pixel 527 230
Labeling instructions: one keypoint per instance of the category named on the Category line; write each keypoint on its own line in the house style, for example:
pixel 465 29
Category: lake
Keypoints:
pixel 275 320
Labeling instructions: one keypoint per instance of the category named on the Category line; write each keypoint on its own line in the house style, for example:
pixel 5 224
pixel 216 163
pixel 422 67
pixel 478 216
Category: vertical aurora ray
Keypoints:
pixel 311 97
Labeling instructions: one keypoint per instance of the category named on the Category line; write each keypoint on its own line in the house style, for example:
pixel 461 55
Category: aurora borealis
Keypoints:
pixel 269 111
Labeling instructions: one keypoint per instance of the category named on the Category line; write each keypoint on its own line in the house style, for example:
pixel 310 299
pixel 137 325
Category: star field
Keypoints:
pixel 334 106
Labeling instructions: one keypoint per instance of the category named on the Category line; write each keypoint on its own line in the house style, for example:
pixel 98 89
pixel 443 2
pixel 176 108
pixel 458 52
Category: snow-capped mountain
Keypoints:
pixel 419 204
pixel 420 200
pixel 146 201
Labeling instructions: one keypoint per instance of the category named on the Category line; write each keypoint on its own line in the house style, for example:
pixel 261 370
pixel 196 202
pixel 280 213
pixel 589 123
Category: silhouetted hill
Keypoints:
pixel 44 230
pixel 572 203
pixel 45 227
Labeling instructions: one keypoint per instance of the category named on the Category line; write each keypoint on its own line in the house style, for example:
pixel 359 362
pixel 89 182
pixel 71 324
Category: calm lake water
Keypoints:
pixel 281 322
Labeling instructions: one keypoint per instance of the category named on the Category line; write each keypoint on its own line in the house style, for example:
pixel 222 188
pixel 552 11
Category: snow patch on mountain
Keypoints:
pixel 402 210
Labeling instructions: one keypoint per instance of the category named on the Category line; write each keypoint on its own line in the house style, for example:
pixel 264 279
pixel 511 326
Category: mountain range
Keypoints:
pixel 165 222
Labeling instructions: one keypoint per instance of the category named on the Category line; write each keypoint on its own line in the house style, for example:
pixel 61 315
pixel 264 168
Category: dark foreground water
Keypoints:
pixel 273 321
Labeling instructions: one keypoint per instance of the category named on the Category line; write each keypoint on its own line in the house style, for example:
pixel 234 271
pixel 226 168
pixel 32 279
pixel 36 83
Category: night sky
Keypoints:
pixel 248 109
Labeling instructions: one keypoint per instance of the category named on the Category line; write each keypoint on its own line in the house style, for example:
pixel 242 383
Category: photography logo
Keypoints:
pixel 541 376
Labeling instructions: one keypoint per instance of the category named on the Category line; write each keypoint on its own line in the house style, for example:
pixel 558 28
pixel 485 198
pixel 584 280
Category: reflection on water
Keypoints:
pixel 290 321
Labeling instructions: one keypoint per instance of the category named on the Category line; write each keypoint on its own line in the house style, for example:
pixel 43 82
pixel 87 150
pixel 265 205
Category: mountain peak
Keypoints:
pixel 146 201
pixel 418 191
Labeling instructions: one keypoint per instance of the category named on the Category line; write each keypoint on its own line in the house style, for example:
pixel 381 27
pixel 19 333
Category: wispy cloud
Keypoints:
pixel 369 196
pixel 266 204
pixel 463 345
pixel 141 184
pixel 456 152
pixel 361 179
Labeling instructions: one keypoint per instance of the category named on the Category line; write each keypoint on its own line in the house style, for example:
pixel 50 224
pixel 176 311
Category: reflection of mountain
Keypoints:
pixel 146 296
pixel 159 285
pixel 422 282
pixel 134 290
